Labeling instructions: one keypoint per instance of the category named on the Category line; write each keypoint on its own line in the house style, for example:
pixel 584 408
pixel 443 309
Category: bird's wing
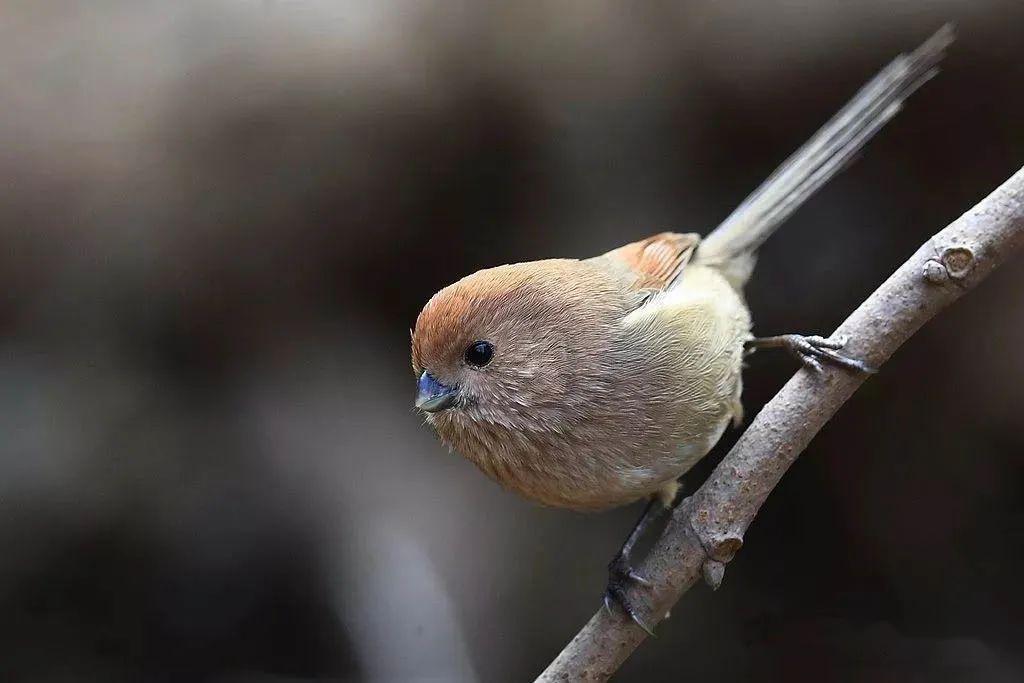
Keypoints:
pixel 656 262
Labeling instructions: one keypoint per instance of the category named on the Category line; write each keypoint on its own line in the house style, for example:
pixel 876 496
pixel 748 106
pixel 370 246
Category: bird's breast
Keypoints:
pixel 587 467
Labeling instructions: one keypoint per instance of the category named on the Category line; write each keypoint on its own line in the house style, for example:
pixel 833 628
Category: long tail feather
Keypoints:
pixel 732 244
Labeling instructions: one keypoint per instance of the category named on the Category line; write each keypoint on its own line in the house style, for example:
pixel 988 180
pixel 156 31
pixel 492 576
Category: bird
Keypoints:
pixel 594 383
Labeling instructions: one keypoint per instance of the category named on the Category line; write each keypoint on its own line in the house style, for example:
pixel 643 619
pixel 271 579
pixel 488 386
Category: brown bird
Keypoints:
pixel 589 384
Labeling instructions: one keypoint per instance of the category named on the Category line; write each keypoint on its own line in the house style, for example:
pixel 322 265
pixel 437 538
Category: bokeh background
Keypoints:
pixel 218 221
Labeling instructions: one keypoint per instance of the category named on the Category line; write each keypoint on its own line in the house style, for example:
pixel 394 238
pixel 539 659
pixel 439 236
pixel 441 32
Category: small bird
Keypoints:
pixel 589 384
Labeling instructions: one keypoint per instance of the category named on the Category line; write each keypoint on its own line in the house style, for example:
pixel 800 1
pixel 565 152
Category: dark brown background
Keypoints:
pixel 218 221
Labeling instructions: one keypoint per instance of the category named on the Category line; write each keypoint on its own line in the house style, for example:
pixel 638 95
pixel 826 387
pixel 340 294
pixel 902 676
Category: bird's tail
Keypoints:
pixel 732 245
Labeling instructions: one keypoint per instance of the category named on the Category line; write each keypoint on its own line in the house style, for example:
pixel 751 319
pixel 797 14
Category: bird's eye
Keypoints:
pixel 479 353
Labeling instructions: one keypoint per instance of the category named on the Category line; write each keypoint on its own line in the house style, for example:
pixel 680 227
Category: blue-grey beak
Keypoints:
pixel 432 396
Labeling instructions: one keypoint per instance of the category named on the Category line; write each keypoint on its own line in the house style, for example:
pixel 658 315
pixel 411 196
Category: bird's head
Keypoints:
pixel 511 345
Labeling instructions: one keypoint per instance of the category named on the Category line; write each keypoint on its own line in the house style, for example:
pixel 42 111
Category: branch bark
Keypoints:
pixel 706 530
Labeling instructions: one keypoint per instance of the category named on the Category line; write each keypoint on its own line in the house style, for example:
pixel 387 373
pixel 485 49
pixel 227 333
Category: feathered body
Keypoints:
pixel 611 376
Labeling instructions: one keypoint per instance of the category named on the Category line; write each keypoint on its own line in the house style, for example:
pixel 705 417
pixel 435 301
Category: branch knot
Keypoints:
pixel 935 272
pixel 718 545
pixel 956 263
pixel 713 572
pixel 959 261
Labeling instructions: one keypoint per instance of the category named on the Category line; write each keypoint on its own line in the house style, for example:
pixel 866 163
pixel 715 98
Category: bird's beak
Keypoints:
pixel 432 396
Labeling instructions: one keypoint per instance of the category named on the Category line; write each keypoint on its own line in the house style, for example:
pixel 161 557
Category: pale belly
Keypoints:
pixel 585 473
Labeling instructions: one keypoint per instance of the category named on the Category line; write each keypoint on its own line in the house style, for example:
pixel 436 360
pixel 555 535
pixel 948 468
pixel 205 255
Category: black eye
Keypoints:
pixel 479 353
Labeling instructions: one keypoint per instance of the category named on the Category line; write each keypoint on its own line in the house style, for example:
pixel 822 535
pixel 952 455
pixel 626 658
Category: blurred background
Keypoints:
pixel 219 219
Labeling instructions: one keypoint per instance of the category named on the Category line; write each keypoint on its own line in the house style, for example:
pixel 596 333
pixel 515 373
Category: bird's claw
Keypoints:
pixel 812 350
pixel 620 575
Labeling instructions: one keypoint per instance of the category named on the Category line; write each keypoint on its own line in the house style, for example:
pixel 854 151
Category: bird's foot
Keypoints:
pixel 812 350
pixel 620 576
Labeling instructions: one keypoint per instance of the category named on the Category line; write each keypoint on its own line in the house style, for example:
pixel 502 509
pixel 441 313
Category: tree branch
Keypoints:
pixel 706 530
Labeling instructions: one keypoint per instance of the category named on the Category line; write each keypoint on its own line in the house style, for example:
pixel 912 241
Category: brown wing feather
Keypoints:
pixel 658 260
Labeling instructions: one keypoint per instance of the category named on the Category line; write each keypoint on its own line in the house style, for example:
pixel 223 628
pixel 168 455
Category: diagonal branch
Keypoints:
pixel 707 529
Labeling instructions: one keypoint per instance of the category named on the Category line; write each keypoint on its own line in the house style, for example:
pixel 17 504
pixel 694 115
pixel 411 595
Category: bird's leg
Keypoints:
pixel 811 350
pixel 621 572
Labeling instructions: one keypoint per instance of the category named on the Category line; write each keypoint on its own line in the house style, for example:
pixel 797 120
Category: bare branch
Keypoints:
pixel 707 529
